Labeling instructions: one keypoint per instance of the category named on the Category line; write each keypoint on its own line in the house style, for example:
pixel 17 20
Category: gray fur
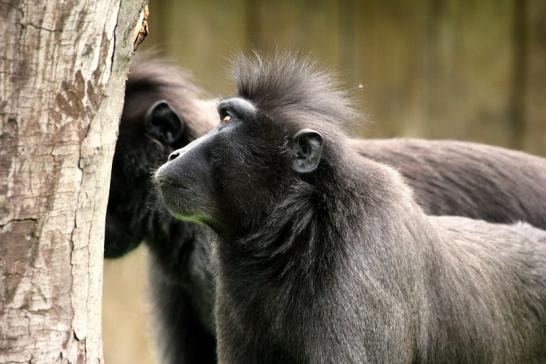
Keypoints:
pixel 467 179
pixel 447 178
pixel 345 267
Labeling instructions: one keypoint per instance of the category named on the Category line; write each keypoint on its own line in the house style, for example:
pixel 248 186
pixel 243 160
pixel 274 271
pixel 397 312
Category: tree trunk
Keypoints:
pixel 62 72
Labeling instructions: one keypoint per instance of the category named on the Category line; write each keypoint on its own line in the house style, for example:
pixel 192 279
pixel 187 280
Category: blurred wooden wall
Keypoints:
pixel 473 70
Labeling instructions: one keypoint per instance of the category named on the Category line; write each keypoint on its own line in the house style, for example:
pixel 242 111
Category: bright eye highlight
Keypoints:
pixel 226 119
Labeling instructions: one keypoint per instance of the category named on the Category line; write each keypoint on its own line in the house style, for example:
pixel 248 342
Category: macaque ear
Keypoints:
pixel 306 148
pixel 163 123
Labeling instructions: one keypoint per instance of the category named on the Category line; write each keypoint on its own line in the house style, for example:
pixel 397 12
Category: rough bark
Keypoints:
pixel 62 70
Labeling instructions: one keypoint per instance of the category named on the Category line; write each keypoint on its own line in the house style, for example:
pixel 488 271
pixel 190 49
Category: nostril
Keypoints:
pixel 173 155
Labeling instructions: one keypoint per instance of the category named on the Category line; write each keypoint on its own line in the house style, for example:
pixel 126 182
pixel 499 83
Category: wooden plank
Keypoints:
pixel 388 63
pixel 436 69
pixel 201 36
pixel 534 137
pixel 307 27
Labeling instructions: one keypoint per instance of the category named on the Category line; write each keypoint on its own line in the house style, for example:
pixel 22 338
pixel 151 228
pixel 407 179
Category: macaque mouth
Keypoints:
pixel 162 182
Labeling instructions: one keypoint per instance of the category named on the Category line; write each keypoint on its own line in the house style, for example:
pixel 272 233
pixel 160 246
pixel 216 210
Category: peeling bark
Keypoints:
pixel 62 73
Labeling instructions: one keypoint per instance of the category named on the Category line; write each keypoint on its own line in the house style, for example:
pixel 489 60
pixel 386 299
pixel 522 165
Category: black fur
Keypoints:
pixel 341 265
pixel 447 177
pixel 180 282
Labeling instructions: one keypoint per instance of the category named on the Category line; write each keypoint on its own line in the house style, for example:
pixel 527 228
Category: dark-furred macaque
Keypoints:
pixel 163 111
pixel 324 256
pixel 447 178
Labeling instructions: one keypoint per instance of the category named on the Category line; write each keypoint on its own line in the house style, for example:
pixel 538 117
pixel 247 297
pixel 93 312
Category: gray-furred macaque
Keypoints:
pixel 325 256
pixel 164 111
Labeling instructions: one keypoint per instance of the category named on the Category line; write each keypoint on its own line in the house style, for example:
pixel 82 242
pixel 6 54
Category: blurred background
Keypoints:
pixel 469 70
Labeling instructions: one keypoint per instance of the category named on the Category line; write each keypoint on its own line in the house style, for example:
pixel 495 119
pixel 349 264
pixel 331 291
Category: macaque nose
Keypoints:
pixel 174 155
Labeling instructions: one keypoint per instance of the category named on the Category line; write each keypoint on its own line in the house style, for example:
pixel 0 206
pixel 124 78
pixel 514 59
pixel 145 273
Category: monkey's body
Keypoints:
pixel 324 256
pixel 447 177
pixel 442 299
pixel 499 273
pixel 466 179
pixel 182 296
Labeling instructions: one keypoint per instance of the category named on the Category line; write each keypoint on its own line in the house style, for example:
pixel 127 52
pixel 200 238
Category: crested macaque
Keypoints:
pixel 324 255
pixel 164 111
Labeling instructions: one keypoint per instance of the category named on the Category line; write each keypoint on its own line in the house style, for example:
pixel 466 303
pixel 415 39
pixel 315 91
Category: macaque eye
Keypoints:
pixel 226 119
